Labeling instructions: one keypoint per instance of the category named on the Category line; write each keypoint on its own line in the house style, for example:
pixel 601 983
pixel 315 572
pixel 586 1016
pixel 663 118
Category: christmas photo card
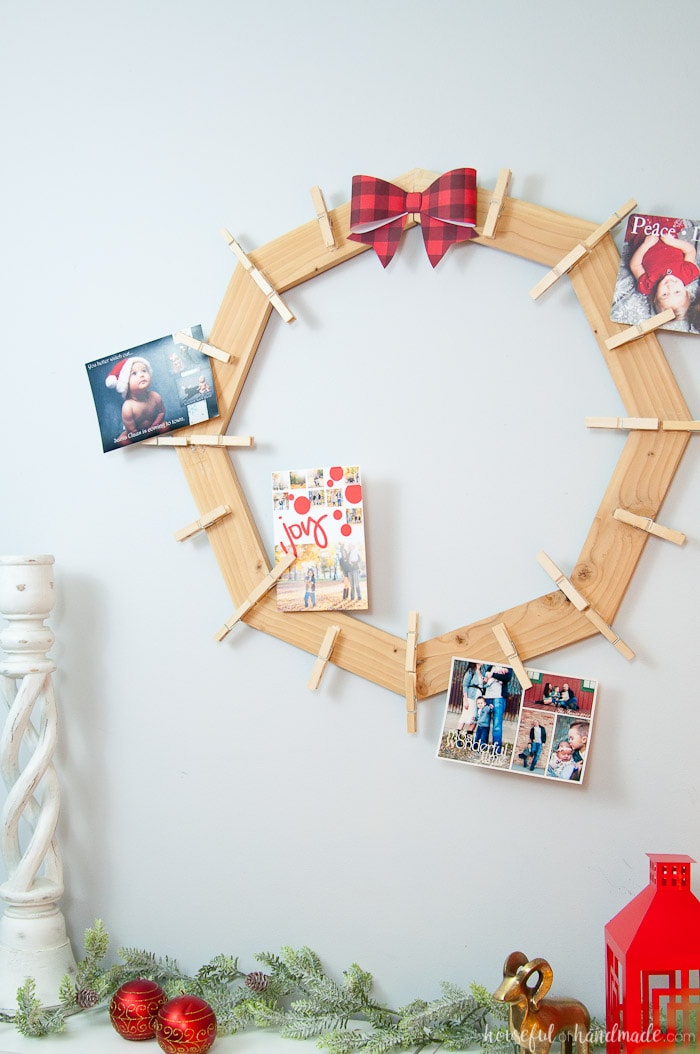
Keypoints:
pixel 542 731
pixel 152 389
pixel 659 270
pixel 319 517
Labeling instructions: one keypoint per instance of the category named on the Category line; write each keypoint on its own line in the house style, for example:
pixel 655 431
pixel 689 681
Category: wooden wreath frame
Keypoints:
pixel 612 548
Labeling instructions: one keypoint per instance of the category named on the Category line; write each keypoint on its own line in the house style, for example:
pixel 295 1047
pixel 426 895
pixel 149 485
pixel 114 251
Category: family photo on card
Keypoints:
pixel 492 721
pixel 319 518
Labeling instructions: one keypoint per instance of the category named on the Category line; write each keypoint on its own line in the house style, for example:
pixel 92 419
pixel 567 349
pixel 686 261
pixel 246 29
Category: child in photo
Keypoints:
pixel 561 764
pixel 578 741
pixel 566 698
pixel 142 408
pixel 310 584
pixel 663 267
pixel 484 709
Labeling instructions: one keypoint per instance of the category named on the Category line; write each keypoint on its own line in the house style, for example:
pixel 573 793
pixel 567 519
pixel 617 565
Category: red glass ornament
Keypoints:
pixel 133 1009
pixel 185 1025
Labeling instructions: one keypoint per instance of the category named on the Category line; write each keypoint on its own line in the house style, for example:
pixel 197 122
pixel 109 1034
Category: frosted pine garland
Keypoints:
pixel 294 995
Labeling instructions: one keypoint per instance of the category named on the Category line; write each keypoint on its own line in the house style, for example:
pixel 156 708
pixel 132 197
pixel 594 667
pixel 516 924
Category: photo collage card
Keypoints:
pixel 319 516
pixel 492 721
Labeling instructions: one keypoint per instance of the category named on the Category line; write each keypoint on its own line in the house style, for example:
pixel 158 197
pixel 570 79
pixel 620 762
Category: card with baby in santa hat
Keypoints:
pixel 152 389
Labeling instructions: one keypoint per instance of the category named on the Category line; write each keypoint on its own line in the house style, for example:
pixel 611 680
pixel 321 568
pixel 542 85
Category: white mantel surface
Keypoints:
pixel 92 1033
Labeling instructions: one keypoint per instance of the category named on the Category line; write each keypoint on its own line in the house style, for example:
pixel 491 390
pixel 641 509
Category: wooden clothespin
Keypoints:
pixel 496 202
pixel 562 582
pixel 165 441
pixel 645 523
pixel 681 426
pixel 323 217
pixel 323 657
pixel 202 523
pixel 258 277
pixel 581 604
pixel 580 250
pixel 649 424
pixel 264 585
pixel 558 270
pixel 640 330
pixel 217 440
pixel 199 345
pixel 199 440
pixel 410 669
pixel 508 648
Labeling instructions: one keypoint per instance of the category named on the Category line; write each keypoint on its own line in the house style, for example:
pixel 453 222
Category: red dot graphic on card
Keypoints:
pixel 337 514
pixel 336 473
pixel 302 505
pixel 353 493
pixel 346 530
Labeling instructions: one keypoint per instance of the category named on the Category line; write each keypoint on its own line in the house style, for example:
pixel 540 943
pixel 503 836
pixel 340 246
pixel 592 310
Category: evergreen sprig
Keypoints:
pixel 295 996
pixel 320 1004
pixel 456 1020
pixel 33 1019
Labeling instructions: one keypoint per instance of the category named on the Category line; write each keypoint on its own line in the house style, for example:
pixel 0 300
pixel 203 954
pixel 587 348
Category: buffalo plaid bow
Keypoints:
pixel 447 212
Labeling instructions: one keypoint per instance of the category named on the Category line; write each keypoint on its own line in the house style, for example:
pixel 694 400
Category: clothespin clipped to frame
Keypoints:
pixel 264 585
pixel 258 277
pixel 645 523
pixel 323 657
pixel 508 648
pixel 681 426
pixel 496 202
pixel 323 217
pixel 165 441
pixel 640 330
pixel 198 440
pixel 581 604
pixel 200 345
pixel 202 523
pixel 648 424
pixel 410 671
pixel 580 250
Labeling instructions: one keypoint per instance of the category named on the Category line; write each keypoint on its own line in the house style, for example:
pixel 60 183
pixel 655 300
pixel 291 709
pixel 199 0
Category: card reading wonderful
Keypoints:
pixel 543 731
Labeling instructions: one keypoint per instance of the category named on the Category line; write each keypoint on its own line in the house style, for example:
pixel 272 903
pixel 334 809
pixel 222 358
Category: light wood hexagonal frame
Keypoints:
pixel 611 550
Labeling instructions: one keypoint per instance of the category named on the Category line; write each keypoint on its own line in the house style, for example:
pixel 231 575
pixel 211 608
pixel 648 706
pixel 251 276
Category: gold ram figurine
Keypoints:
pixel 535 1022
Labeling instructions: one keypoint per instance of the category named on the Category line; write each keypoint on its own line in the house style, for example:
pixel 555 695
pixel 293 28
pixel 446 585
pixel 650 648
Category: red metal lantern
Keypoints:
pixel 652 948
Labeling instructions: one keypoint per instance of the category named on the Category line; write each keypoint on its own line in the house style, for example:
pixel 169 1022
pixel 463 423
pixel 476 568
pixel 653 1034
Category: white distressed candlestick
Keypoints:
pixel 33 941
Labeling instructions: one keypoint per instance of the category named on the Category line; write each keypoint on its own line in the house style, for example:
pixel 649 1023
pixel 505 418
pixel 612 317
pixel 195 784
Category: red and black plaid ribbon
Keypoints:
pixel 447 212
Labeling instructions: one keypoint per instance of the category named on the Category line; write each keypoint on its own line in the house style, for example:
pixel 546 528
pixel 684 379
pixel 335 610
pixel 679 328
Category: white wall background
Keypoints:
pixel 210 801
